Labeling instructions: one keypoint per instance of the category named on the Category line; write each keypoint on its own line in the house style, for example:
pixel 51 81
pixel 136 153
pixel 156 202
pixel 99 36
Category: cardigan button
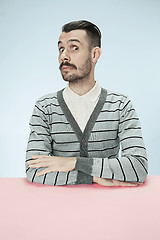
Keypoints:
pixel 83 140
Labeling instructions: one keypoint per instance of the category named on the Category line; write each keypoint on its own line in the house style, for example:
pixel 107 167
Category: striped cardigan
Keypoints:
pixel 112 124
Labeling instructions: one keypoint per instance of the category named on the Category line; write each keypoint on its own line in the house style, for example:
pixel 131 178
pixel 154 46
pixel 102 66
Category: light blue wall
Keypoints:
pixel 129 64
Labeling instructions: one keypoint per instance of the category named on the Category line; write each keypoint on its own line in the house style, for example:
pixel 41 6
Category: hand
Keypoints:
pixel 52 163
pixel 111 182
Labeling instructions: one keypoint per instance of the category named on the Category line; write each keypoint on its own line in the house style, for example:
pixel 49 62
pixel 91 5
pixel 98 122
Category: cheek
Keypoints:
pixel 78 60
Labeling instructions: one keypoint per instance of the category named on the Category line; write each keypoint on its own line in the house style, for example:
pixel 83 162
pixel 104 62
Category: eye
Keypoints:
pixel 75 47
pixel 61 49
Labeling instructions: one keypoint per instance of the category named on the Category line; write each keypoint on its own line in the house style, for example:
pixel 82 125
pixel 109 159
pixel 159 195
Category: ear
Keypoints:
pixel 95 53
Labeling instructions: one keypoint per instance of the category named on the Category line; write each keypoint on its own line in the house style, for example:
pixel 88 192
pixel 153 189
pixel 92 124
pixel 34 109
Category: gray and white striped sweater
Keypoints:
pixel 113 123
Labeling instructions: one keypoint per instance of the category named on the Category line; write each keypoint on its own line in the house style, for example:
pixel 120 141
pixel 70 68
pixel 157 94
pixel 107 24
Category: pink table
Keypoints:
pixel 76 212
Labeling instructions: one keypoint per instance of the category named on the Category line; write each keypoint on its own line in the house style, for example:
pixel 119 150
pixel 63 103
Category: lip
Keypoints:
pixel 66 67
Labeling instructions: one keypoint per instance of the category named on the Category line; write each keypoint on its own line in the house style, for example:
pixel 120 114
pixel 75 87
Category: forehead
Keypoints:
pixel 74 34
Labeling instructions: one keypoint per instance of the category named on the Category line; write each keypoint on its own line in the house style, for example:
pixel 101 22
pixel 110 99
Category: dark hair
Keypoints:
pixel 93 32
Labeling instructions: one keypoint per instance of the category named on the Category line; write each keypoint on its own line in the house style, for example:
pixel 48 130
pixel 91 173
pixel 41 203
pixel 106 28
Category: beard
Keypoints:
pixel 84 71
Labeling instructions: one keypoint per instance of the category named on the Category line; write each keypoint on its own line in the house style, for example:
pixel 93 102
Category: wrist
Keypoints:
pixel 95 179
pixel 73 161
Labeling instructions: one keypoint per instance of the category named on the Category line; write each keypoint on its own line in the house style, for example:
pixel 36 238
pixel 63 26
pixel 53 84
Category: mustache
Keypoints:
pixel 67 64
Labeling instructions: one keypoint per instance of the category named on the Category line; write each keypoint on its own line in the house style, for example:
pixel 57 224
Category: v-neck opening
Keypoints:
pixel 92 119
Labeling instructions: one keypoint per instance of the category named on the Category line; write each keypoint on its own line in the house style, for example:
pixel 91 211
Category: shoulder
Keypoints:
pixel 117 100
pixel 48 98
pixel 113 96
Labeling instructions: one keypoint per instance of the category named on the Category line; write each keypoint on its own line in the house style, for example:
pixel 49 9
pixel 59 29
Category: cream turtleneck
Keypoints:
pixel 82 107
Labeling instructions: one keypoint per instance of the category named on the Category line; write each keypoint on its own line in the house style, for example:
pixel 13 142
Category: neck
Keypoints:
pixel 82 86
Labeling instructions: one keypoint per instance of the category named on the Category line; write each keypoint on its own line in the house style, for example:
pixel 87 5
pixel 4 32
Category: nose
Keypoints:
pixel 65 56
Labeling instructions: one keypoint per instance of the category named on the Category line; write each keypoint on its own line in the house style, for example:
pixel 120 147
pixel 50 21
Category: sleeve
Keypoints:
pixel 40 143
pixel 132 165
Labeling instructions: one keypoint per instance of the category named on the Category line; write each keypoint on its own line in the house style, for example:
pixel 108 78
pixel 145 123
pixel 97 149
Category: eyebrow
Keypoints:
pixel 71 40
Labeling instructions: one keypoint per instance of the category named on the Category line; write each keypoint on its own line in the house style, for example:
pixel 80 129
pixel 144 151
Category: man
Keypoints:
pixel 76 132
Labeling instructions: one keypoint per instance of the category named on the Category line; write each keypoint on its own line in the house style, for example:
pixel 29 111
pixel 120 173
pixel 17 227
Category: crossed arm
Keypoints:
pixel 65 164
pixel 128 170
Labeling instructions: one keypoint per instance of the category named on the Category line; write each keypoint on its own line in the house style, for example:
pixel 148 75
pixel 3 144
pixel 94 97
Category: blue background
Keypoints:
pixel 29 66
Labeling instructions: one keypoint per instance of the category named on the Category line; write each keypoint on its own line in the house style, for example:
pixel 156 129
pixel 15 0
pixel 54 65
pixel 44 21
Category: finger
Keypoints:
pixel 39 164
pixel 112 182
pixel 47 170
pixel 33 165
pixel 129 184
pixel 120 183
pixel 136 182
pixel 39 156
pixel 33 162
pixel 39 160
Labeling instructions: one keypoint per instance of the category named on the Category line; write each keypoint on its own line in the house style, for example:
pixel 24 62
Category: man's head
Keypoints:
pixel 79 49
pixel 93 33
